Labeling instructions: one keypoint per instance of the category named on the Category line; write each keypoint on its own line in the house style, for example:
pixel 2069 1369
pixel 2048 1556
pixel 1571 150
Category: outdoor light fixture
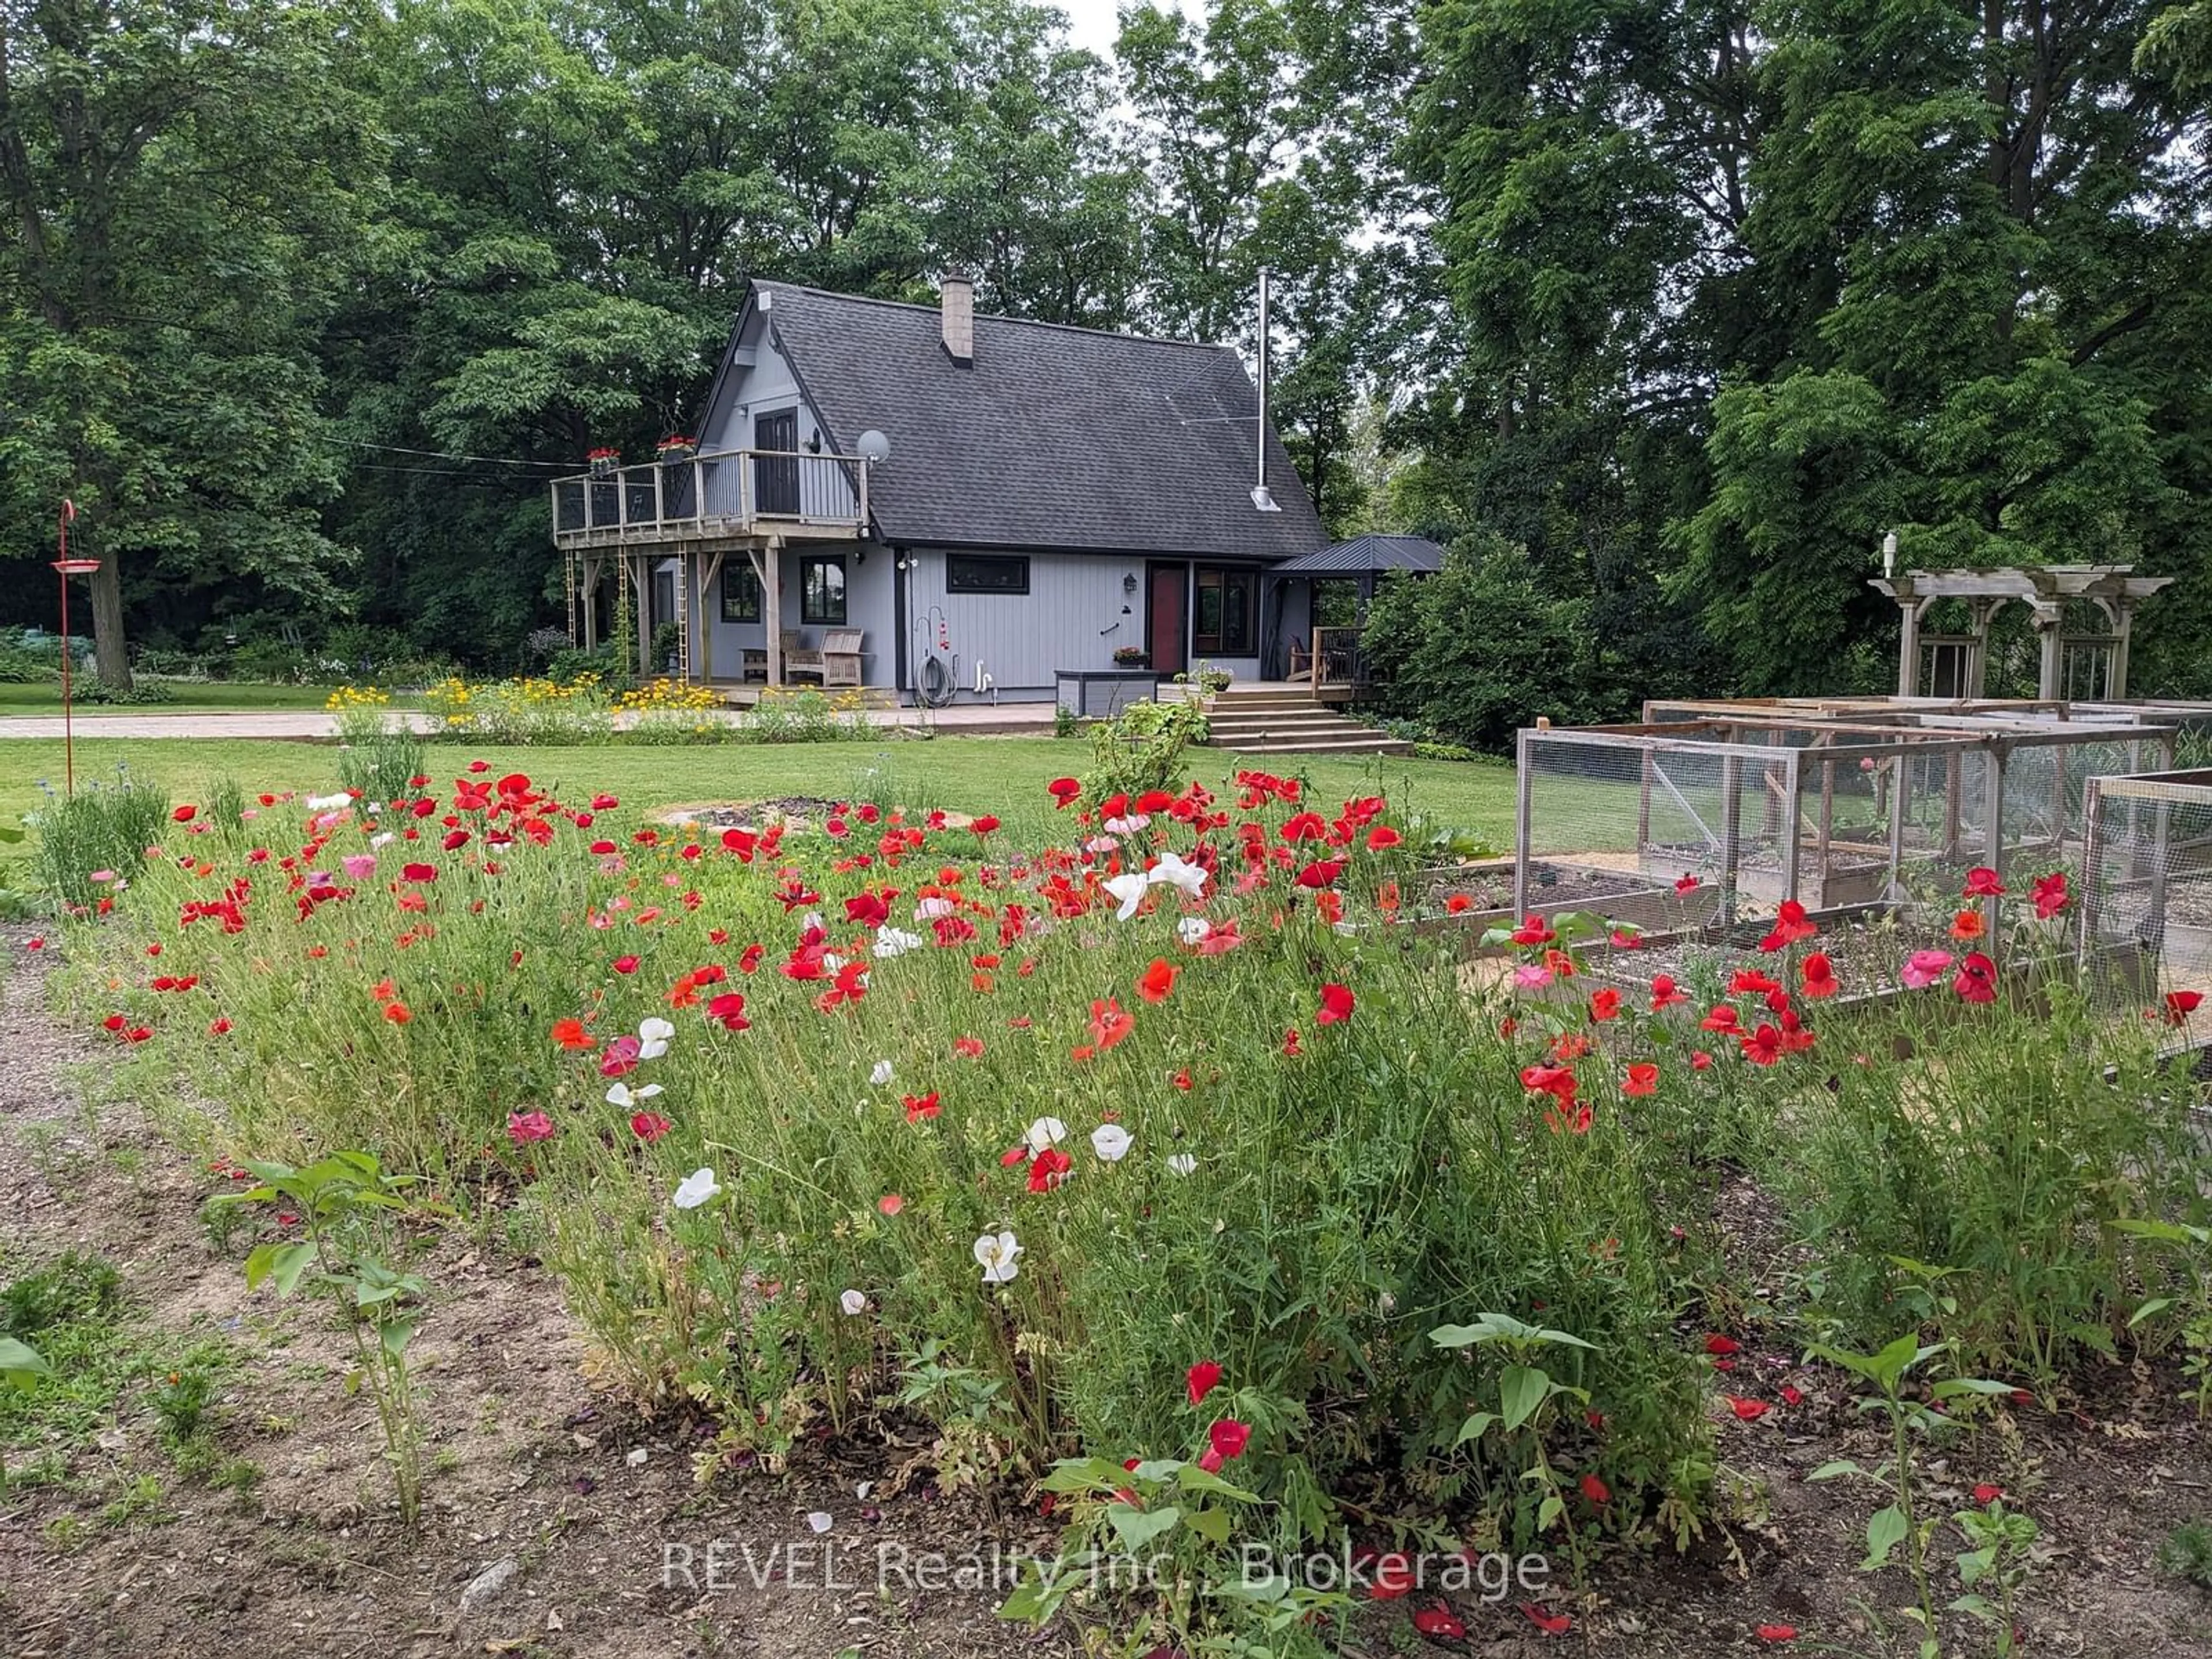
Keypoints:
pixel 1129 581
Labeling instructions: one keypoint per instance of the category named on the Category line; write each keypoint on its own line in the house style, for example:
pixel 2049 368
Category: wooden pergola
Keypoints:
pixel 2046 589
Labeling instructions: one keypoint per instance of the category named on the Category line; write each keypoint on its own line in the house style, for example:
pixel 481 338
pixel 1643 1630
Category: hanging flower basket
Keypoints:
pixel 678 449
pixel 603 461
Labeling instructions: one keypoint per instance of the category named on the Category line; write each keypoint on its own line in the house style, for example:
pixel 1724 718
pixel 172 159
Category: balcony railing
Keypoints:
pixel 1333 659
pixel 731 492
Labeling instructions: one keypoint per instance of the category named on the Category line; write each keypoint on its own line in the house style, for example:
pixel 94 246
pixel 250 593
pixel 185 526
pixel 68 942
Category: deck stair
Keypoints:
pixel 1287 719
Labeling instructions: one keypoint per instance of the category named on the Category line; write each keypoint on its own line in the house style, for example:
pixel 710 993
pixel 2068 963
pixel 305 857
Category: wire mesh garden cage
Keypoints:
pixel 1711 818
pixel 2146 914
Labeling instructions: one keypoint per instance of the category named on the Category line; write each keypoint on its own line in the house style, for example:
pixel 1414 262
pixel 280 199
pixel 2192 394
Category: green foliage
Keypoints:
pixel 104 828
pixel 2186 1553
pixel 346 1207
pixel 1478 650
pixel 73 1286
pixel 381 764
pixel 138 693
pixel 1984 1196
pixel 1141 748
pixel 19 667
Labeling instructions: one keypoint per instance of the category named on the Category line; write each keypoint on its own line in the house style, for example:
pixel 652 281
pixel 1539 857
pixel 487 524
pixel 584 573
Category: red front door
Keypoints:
pixel 1166 617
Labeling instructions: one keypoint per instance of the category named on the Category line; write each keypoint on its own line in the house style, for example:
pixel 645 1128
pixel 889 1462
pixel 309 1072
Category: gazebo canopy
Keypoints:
pixel 1366 555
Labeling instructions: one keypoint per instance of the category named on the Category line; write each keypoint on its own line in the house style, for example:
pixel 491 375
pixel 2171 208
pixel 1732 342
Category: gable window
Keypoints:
pixel 972 572
pixel 741 591
pixel 1227 612
pixel 822 589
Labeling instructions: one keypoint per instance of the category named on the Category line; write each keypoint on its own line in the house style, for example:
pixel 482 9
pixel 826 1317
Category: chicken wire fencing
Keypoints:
pixel 1688 824
pixel 2146 911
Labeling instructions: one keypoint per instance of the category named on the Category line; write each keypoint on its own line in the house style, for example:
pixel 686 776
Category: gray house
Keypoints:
pixel 936 506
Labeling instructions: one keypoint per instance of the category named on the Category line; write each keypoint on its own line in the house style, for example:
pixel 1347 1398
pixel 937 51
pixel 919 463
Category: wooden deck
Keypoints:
pixel 729 499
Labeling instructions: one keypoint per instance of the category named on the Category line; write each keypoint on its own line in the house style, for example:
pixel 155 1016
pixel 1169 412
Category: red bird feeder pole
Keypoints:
pixel 68 567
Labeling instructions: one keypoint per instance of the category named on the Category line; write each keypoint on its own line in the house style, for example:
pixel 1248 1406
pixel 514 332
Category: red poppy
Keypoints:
pixel 919 1107
pixel 1457 904
pixel 1595 1489
pixel 1552 1624
pixel 1198 1381
pixel 1558 1081
pixel 890 1203
pixel 648 1127
pixel 1532 931
pixel 1721 1018
pixel 1981 883
pixel 1819 975
pixel 1048 1169
pixel 1977 979
pixel 1987 1493
pixel 1336 1004
pixel 570 1034
pixel 1777 1633
pixel 1642 1079
pixel 398 1013
pixel 625 964
pixel 217 1026
pixel 1605 1005
pixel 1968 925
pixel 2179 1005
pixel 1158 981
pixel 1065 792
pixel 1722 1344
pixel 1763 1047
pixel 729 1009
pixel 1664 992
pixel 1227 1438
pixel 1394 1577
pixel 1792 1396
pixel 1291 1046
pixel 1383 837
pixel 967 1048
pixel 1435 1621
pixel 2050 895
pixel 1746 1411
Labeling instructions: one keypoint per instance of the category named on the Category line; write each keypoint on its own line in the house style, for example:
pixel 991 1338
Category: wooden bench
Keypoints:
pixel 841 656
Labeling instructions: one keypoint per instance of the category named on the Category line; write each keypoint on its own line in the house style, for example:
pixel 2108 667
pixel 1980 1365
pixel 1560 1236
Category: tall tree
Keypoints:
pixel 180 180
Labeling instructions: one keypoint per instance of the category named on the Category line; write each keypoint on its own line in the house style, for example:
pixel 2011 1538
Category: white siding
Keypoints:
pixel 1075 616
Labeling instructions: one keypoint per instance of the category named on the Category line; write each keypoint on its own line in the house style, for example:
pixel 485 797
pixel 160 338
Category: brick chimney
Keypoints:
pixel 957 296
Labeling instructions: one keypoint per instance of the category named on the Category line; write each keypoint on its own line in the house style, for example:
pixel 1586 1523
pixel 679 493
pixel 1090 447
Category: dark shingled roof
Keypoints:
pixel 1054 437
pixel 1365 553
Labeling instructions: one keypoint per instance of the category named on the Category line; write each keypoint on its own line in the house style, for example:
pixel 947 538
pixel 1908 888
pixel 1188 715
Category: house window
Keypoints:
pixel 822 589
pixel 1228 611
pixel 741 591
pixel 971 572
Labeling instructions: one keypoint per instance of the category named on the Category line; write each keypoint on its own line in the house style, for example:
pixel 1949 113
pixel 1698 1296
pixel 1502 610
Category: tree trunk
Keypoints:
pixel 108 652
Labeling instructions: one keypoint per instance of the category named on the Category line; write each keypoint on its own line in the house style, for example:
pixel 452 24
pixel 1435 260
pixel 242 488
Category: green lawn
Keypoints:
pixel 192 697
pixel 1004 775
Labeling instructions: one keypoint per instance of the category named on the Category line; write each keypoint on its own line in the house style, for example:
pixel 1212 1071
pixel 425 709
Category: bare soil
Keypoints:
pixel 533 1465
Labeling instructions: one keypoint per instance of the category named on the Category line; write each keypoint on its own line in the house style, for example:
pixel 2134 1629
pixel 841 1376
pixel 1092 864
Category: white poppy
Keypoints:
pixel 894 942
pixel 933 906
pixel 695 1188
pixel 384 840
pixel 881 1074
pixel 1125 826
pixel 1130 891
pixel 1172 871
pixel 328 803
pixel 995 1254
pixel 623 1096
pixel 1045 1132
pixel 853 1303
pixel 1183 1163
pixel 1110 1141
pixel 652 1036
pixel 1191 930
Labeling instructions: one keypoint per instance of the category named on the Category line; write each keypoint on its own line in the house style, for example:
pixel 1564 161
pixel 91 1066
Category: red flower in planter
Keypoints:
pixel 2049 893
pixel 1336 1004
pixel 1977 979
pixel 1201 1379
pixel 1819 975
pixel 1763 1047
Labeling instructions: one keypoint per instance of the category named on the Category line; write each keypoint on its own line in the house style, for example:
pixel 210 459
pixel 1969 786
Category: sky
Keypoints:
pixel 1094 23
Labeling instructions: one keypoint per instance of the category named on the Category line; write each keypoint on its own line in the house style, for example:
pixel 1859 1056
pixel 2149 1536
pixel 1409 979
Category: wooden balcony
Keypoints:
pixel 728 496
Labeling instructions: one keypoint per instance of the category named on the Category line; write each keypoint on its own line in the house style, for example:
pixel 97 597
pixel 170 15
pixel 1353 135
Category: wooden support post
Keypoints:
pixel 641 610
pixel 1954 785
pixel 1523 783
pixel 772 607
pixel 1792 775
pixel 1731 831
pixel 1900 794
pixel 592 571
pixel 710 608
pixel 1993 777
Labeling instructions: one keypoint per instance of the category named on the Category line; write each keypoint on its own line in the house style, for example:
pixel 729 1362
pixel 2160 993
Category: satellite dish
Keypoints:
pixel 873 445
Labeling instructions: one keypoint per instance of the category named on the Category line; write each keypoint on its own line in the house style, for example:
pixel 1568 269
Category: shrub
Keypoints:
pixel 1479 649
pixel 19 667
pixel 521 711
pixel 1141 748
pixel 141 691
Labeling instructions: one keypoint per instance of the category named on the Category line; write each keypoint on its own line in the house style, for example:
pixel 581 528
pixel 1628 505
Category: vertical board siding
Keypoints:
pixel 1072 617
